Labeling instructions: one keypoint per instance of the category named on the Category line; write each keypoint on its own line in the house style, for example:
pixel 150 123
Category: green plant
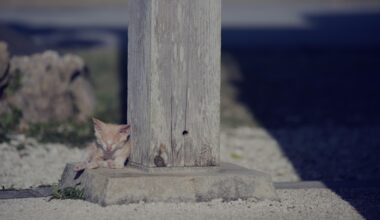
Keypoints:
pixel 10 119
pixel 236 156
pixel 66 193
pixel 14 83
pixel 11 187
pixel 8 122
pixel 20 147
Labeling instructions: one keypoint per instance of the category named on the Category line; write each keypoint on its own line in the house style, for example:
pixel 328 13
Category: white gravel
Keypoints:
pixel 35 164
pixel 287 154
pixel 295 204
pixel 255 148
pixel 38 164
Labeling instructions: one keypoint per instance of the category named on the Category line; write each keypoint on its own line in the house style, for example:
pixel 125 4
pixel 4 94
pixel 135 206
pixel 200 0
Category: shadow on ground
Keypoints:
pixel 316 90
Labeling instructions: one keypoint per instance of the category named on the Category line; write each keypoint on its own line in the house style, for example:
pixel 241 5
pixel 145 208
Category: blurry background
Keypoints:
pixel 300 80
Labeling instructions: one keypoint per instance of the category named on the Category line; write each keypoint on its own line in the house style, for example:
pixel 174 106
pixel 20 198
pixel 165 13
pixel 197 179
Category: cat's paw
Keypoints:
pixel 110 164
pixel 92 165
pixel 79 166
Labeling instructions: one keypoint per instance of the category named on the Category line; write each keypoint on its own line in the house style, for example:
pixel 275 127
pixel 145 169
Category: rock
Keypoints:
pixel 49 87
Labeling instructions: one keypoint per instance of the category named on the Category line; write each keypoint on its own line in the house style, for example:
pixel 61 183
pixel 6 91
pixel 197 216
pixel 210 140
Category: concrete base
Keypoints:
pixel 131 185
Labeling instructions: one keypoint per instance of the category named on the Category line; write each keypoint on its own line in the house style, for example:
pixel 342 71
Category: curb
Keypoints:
pixel 42 191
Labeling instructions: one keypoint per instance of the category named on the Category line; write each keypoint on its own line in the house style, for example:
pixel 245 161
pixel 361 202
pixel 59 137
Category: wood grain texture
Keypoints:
pixel 139 74
pixel 174 82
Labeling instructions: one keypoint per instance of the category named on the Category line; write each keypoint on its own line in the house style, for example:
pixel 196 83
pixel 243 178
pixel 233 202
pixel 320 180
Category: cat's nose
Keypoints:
pixel 109 148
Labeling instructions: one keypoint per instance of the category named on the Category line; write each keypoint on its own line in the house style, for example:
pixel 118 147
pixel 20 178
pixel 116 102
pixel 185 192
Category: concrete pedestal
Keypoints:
pixel 132 185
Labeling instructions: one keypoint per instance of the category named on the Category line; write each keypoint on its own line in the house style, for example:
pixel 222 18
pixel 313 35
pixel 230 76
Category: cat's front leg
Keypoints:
pixel 119 162
pixel 110 164
pixel 103 163
pixel 106 163
pixel 85 165
pixel 92 165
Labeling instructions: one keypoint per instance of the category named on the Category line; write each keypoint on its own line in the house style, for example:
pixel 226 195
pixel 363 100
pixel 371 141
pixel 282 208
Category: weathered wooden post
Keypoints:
pixel 174 82
pixel 173 108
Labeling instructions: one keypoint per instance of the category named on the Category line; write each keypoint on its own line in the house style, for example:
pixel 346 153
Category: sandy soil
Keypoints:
pixel 25 163
pixel 295 204
pixel 305 153
pixel 255 148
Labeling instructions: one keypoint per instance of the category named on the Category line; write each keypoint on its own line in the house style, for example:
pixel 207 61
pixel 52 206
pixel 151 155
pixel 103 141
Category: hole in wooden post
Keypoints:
pixel 185 132
pixel 159 161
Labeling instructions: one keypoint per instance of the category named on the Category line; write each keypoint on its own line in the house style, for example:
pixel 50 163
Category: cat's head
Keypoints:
pixel 111 136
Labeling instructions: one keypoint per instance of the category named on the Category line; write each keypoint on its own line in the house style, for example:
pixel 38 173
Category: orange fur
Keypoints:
pixel 111 148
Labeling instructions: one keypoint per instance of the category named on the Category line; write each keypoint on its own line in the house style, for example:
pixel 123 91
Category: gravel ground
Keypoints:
pixel 295 204
pixel 255 148
pixel 323 153
pixel 25 163
pixel 307 153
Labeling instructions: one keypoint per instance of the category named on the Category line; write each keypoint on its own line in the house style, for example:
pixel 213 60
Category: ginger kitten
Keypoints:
pixel 111 148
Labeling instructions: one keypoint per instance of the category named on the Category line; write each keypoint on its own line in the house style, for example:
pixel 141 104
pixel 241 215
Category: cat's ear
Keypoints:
pixel 125 129
pixel 98 125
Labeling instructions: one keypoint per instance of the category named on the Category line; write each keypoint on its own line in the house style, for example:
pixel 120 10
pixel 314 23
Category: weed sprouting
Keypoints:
pixel 66 193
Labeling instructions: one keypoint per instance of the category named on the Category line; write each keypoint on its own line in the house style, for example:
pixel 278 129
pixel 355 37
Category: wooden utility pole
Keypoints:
pixel 174 82
pixel 174 112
